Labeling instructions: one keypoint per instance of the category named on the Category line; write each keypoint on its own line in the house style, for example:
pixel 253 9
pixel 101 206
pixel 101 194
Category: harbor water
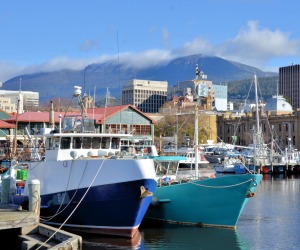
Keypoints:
pixel 270 220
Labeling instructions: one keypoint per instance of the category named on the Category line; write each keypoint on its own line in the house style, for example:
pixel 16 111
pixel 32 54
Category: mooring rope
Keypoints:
pixel 229 186
pixel 76 205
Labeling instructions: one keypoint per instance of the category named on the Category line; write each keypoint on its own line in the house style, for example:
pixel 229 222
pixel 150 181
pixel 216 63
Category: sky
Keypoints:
pixel 40 36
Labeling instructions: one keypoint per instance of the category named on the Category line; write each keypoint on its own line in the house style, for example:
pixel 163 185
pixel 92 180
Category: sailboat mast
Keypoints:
pixel 196 141
pixel 256 105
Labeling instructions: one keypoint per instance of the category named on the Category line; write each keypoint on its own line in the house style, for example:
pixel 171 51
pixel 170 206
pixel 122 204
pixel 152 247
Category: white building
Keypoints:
pixel 220 97
pixel 7 105
pixel 9 100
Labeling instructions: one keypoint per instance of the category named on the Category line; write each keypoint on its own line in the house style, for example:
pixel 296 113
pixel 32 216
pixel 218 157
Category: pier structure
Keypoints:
pixel 21 228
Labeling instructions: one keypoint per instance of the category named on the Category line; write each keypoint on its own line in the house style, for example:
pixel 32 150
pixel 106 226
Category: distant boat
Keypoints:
pixel 226 160
pixel 87 184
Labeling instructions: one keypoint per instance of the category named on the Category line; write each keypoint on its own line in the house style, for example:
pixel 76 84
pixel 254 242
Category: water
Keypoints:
pixel 270 220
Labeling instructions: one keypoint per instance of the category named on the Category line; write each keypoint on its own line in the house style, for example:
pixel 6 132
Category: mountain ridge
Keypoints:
pixel 112 75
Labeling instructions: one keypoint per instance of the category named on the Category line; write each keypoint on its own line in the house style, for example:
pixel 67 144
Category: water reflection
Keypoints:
pixel 189 237
pixel 169 237
pixel 270 220
pixel 99 242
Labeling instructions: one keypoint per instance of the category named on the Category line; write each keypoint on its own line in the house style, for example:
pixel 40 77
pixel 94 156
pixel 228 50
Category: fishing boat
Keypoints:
pixel 87 184
pixel 196 200
pixel 211 202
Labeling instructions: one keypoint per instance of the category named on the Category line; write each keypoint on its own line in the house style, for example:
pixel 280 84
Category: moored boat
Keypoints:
pixel 212 202
pixel 86 183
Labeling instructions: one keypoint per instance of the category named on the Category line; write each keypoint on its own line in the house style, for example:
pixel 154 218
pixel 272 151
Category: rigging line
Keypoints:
pixel 268 121
pixel 239 120
pixel 66 111
pixel 100 167
pixel 234 185
pixel 183 122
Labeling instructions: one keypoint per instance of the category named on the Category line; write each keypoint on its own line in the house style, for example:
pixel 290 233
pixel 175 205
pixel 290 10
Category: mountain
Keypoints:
pixel 99 77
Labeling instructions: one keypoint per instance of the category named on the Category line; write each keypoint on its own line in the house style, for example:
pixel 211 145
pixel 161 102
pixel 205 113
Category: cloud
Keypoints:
pixel 197 46
pixel 252 45
pixel 130 60
pixel 257 46
pixel 145 59
pixel 9 70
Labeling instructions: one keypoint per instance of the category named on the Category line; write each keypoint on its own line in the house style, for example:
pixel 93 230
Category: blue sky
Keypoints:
pixel 49 35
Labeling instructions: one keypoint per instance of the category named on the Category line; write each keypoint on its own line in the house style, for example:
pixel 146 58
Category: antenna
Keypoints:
pixel 20 84
pixel 84 79
pixel 119 74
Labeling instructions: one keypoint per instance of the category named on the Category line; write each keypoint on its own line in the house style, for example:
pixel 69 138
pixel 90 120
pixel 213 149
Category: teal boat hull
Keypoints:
pixel 216 202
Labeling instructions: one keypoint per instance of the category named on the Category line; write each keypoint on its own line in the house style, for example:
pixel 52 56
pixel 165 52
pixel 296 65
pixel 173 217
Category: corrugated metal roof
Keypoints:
pixel 4 115
pixel 99 114
pixel 4 124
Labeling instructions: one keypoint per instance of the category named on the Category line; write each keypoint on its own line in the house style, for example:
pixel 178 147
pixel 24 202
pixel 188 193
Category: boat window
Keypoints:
pixel 65 142
pixel 96 141
pixel 173 168
pixel 185 165
pixel 77 142
pixel 105 143
pixel 49 143
pixel 86 142
pixel 161 168
pixel 115 143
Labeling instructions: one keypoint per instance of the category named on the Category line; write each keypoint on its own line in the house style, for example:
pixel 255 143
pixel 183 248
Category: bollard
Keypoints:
pixel 5 190
pixel 34 196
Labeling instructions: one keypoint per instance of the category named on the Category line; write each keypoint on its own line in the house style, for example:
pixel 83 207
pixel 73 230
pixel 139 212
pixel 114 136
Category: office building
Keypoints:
pixel 289 84
pixel 147 96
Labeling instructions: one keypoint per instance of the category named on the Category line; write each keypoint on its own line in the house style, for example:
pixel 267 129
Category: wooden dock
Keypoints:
pixel 20 230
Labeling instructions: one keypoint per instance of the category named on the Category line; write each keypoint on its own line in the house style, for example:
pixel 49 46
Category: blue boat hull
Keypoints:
pixel 214 202
pixel 114 209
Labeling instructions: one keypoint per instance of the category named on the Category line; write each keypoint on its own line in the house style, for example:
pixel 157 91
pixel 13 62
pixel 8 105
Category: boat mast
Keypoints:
pixel 256 104
pixel 260 152
pixel 196 141
pixel 82 103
